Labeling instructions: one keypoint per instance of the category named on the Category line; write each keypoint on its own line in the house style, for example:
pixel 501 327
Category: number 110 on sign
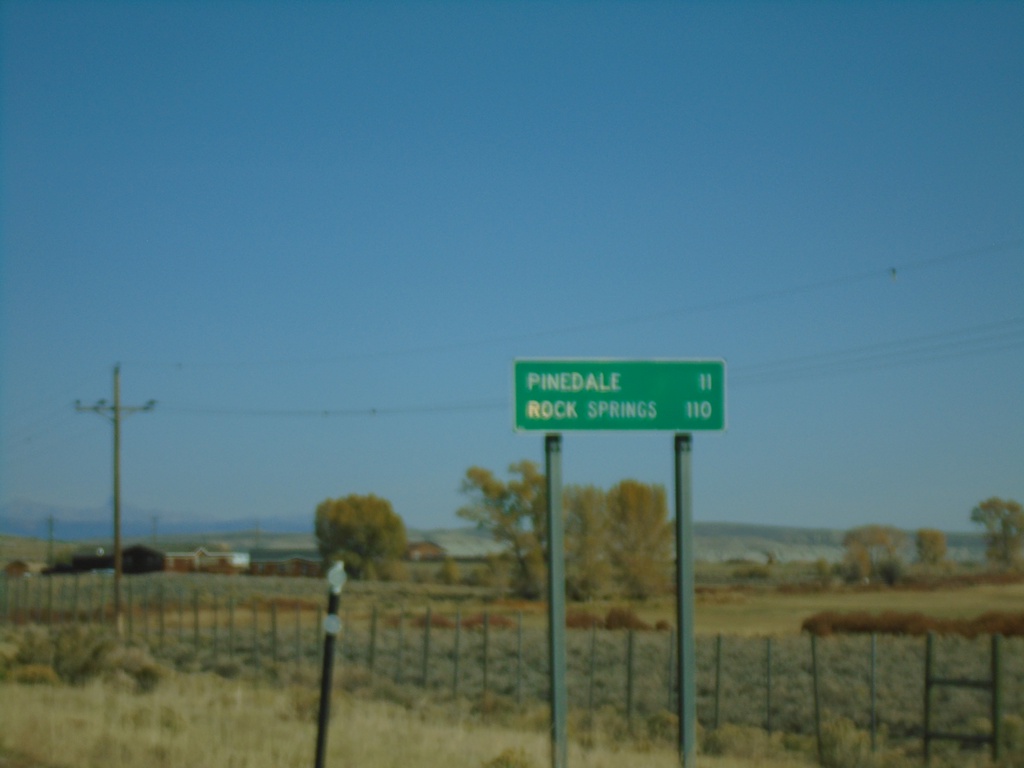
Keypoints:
pixel 701 409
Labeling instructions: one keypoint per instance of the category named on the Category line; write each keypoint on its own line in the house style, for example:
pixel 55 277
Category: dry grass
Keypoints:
pixel 201 720
pixel 772 612
pixel 915 624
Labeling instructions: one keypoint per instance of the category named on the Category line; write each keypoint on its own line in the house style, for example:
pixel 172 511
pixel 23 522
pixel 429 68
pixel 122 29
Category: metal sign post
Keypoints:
pixel 687 663
pixel 556 600
pixel 332 626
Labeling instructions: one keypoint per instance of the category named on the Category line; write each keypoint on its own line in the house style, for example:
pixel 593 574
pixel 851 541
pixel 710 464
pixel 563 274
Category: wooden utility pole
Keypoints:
pixel 114 412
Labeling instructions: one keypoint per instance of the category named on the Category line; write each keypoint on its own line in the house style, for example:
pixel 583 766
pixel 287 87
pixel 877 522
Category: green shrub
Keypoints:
pixel 843 746
pixel 138 665
pixel 35 674
pixel 624 618
pixel 513 757
pixel 8 657
pixel 1013 738
pixel 892 571
pixel 663 725
pixel 81 653
pixel 448 573
pixel 35 647
pixel 739 741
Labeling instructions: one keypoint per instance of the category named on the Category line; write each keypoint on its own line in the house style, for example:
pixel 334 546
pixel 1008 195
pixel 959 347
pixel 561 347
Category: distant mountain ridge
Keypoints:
pixel 713 541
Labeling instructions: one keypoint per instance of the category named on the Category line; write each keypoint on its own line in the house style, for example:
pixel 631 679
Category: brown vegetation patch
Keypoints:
pixel 290 604
pixel 828 623
pixel 583 620
pixel 494 621
pixel 624 618
pixel 437 620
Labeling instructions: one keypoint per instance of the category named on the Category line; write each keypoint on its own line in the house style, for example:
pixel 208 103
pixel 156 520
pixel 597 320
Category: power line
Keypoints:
pixel 878 274
pixel 961 342
pixel 315 413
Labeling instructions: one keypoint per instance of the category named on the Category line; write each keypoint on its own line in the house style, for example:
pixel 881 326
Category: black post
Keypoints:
pixel 332 625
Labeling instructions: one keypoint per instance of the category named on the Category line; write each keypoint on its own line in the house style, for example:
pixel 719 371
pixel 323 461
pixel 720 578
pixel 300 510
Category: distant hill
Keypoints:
pixel 714 542
pixel 720 542
pixel 29 518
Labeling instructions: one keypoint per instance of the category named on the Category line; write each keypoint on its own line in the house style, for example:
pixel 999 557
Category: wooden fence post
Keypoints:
pixel 216 627
pixel 670 668
pixel 768 685
pixel 426 649
pixel 161 626
pixel 131 607
pixel 817 692
pixel 591 673
pixel 400 650
pixel 144 605
pixel 231 627
pixel 872 685
pixel 317 633
pixel 997 697
pixel 254 635
pixel 455 653
pixel 298 637
pixel 346 635
pixel 195 619
pixel 372 651
pixel 487 625
pixel 519 660
pixel 274 655
pixel 630 640
pixel 718 680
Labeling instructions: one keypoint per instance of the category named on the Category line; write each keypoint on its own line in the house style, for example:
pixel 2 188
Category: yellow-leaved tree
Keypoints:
pixel 515 513
pixel 640 538
pixel 1004 529
pixel 364 531
pixel 588 567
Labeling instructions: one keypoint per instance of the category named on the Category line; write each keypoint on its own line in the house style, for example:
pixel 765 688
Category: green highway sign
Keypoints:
pixel 570 395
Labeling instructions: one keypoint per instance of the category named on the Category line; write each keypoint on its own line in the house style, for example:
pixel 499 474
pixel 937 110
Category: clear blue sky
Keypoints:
pixel 318 234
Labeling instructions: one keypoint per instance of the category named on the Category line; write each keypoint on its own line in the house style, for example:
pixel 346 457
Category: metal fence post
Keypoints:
pixel 997 697
pixel 768 685
pixel 630 642
pixel 455 653
pixel 817 692
pixel 424 679
pixel 718 680
pixel 874 697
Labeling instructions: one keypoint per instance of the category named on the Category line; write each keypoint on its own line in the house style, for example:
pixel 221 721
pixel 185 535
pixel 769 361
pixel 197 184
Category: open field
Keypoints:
pixel 734 610
pixel 265 633
pixel 199 720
